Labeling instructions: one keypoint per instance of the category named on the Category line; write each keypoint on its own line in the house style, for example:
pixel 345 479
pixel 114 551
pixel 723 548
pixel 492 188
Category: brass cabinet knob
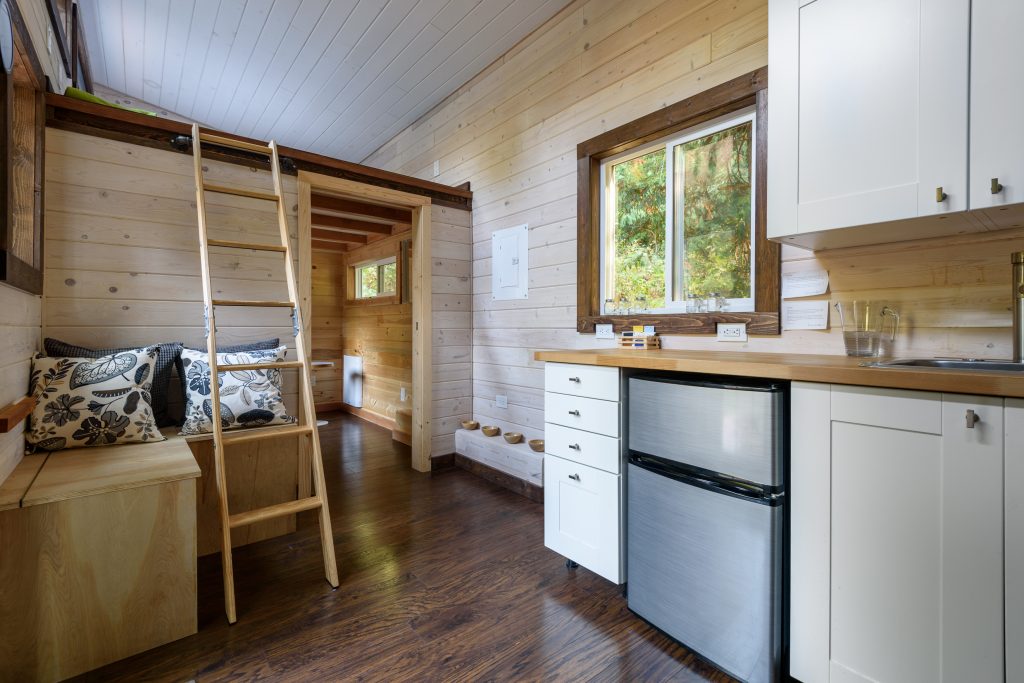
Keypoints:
pixel 997 187
pixel 940 196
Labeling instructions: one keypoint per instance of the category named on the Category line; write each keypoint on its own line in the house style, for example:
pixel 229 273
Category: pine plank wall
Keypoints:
pixel 512 132
pixel 21 312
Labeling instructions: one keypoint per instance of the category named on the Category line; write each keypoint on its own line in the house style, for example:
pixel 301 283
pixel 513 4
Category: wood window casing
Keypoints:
pixel 749 90
pixel 22 153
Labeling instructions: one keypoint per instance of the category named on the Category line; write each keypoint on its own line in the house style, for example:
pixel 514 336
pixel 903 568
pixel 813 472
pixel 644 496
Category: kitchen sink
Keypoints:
pixel 981 364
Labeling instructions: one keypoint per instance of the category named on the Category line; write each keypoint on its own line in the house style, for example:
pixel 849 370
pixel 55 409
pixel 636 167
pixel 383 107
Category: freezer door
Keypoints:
pixel 734 432
pixel 706 568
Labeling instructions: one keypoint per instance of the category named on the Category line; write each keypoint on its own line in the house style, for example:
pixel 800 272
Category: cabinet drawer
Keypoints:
pixel 585 448
pixel 582 516
pixel 912 411
pixel 590 414
pixel 582 380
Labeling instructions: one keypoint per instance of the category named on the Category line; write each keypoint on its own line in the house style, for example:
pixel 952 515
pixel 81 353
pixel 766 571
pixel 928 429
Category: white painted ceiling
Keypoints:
pixel 336 77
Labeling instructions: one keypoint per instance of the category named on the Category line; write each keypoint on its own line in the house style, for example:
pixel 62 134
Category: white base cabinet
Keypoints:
pixel 1014 544
pixel 583 472
pixel 905 582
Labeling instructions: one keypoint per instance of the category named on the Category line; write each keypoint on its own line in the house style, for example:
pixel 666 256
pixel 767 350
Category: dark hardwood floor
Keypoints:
pixel 444 577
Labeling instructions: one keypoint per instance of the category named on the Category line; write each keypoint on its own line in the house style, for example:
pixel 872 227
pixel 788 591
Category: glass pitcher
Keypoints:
pixel 864 324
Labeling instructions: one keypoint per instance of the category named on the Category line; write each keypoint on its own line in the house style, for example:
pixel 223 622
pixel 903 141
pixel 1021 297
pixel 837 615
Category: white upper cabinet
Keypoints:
pixel 868 112
pixel 997 100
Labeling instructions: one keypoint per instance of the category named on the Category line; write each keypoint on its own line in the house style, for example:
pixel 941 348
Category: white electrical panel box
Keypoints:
pixel 510 272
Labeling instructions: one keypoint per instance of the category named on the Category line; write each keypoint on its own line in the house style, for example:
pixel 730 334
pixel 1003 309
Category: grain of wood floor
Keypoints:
pixel 444 577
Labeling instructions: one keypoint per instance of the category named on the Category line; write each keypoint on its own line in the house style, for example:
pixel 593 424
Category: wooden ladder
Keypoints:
pixel 307 426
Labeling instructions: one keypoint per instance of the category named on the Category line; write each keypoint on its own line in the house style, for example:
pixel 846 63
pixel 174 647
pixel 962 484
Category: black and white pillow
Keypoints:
pixel 261 345
pixel 169 352
pixel 248 398
pixel 92 401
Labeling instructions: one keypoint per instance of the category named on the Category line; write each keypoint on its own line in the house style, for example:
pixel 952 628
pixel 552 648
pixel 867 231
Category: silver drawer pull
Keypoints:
pixel 574 477
pixel 574 379
pixel 574 412
pixel 574 446
pixel 972 419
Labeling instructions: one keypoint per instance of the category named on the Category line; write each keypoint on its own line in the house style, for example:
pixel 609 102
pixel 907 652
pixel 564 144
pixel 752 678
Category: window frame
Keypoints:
pixel 379 263
pixel 669 144
pixel 725 100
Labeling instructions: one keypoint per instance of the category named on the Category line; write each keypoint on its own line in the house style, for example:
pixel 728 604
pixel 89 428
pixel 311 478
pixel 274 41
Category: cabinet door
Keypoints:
pixel 582 519
pixel 881 101
pixel 916 538
pixel 1014 533
pixel 997 101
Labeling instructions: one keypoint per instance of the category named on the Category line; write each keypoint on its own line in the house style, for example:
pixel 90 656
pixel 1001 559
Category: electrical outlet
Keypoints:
pixel 437 167
pixel 603 332
pixel 403 394
pixel 732 332
pixel 501 401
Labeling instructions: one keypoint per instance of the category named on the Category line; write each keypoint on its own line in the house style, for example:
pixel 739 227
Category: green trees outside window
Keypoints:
pixel 703 218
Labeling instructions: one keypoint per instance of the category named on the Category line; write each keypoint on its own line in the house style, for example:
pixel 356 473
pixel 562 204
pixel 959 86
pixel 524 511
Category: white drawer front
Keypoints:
pixel 582 519
pixel 590 414
pixel 582 380
pixel 912 411
pixel 585 448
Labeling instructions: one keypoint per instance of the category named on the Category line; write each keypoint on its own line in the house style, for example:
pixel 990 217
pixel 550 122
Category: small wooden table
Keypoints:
pixel 98 559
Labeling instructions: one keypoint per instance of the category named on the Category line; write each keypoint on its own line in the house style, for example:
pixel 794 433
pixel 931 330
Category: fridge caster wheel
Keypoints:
pixel 569 564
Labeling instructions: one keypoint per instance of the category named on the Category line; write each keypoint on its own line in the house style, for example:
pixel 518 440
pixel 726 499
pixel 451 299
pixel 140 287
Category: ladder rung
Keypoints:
pixel 240 192
pixel 274 511
pixel 246 245
pixel 222 141
pixel 228 367
pixel 257 304
pixel 270 432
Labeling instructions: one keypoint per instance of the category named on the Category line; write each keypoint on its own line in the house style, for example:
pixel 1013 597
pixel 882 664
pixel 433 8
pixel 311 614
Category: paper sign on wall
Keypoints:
pixel 509 263
pixel 805 315
pixel 804 283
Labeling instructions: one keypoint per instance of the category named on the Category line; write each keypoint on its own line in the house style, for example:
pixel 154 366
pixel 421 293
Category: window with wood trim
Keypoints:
pixel 671 218
pixel 377 278
pixel 22 129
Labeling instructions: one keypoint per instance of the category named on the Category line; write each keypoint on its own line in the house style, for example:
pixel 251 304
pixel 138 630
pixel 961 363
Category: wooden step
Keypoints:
pixel 261 433
pixel 240 192
pixel 228 367
pixel 222 141
pixel 275 511
pixel 246 245
pixel 257 304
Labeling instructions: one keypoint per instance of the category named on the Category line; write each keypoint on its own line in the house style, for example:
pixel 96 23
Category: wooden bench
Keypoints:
pixel 97 557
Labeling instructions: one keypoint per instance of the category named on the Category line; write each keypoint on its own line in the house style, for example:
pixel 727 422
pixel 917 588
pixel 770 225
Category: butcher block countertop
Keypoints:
pixel 799 367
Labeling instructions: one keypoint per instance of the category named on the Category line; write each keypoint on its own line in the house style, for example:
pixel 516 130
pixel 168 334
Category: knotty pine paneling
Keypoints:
pixel 512 132
pixel 122 249
pixel 328 289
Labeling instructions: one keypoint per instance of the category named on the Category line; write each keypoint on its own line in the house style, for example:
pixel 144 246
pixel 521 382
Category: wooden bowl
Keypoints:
pixel 470 424
pixel 513 437
pixel 491 430
pixel 536 445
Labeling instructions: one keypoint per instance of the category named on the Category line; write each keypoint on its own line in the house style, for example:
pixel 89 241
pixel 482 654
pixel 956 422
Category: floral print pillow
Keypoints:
pixel 248 398
pixel 92 401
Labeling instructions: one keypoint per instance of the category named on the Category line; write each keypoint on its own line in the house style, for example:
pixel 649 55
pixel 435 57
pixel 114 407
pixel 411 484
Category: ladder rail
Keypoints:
pixel 308 411
pixel 211 348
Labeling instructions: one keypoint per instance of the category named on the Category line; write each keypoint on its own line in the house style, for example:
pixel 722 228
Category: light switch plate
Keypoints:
pixel 603 332
pixel 732 332
pixel 501 401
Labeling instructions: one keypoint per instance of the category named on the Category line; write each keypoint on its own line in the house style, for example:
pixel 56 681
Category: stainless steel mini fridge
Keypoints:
pixel 706 518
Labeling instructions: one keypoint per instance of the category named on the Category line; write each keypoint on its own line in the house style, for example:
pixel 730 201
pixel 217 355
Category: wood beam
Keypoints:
pixel 332 236
pixel 385 214
pixel 339 247
pixel 320 220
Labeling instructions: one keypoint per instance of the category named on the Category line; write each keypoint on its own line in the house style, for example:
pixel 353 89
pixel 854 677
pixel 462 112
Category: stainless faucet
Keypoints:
pixel 1017 258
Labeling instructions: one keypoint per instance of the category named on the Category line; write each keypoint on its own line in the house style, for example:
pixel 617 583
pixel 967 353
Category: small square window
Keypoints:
pixel 376 279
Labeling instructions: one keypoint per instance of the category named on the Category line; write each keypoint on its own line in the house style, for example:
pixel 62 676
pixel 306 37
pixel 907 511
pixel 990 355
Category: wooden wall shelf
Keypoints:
pixel 12 415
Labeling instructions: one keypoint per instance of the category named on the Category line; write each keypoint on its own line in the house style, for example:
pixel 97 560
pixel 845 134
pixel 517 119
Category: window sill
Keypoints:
pixel 683 323
pixel 374 301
